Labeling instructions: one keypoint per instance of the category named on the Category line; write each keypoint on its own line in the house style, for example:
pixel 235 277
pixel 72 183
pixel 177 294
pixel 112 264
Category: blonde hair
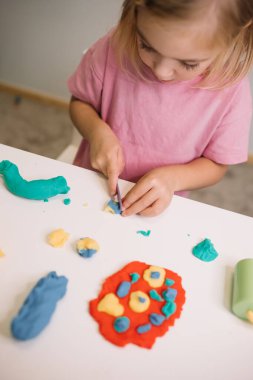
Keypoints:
pixel 234 33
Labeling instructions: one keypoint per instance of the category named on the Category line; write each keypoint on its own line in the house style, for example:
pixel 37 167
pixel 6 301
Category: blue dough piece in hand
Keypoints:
pixel 113 207
pixel 39 306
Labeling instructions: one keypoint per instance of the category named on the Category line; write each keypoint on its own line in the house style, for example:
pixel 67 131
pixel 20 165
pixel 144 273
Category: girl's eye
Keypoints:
pixel 187 66
pixel 145 47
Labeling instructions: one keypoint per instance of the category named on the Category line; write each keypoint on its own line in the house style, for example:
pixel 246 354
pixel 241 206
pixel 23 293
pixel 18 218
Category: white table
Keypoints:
pixel 207 342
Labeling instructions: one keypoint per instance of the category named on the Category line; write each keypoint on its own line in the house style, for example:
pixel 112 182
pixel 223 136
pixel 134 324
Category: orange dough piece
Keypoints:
pixel 106 321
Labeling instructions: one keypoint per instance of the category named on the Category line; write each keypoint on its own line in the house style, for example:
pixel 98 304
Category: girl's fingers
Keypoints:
pixel 112 183
pixel 137 192
pixel 140 204
pixel 114 168
pixel 155 209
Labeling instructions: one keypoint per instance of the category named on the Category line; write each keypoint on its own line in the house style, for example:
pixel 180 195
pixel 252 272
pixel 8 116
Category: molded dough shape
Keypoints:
pixel 39 307
pixel 40 189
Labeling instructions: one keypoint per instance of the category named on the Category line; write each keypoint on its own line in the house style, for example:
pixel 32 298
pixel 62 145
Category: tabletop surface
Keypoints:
pixel 207 342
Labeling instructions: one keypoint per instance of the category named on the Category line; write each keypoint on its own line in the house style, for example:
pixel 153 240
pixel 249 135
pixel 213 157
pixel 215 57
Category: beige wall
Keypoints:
pixel 41 41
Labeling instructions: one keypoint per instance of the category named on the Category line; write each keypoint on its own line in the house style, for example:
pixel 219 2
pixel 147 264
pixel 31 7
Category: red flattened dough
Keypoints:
pixel 106 321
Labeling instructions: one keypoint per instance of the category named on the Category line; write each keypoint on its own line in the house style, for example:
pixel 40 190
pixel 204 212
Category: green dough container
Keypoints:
pixel 242 302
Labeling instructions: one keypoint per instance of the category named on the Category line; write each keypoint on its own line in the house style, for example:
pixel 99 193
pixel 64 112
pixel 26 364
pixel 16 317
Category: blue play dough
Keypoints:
pixel 115 206
pixel 123 289
pixel 170 294
pixel 143 328
pixel 39 306
pixel 155 275
pixel 40 189
pixel 156 319
pixel 87 252
pixel 121 324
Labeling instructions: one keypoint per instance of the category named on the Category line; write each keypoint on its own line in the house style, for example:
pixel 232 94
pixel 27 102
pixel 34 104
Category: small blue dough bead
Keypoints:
pixel 156 319
pixel 170 294
pixel 144 328
pixel 123 289
pixel 121 324
pixel 155 275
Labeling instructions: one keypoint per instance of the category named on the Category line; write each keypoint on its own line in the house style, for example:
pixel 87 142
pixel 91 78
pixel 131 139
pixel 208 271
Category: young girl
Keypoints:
pixel 162 100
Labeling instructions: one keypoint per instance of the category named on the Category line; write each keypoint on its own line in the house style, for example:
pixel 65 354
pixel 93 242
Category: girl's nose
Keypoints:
pixel 164 69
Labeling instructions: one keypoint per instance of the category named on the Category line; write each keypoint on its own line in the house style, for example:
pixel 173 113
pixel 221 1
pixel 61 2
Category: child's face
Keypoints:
pixel 175 50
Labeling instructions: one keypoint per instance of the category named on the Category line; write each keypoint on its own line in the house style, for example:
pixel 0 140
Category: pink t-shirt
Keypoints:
pixel 161 123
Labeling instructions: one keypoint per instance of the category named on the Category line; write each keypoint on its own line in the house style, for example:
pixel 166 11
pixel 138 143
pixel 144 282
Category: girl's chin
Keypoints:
pixel 167 80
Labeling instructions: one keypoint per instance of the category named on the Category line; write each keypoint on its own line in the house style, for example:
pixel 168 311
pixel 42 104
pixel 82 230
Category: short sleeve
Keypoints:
pixel 229 143
pixel 86 82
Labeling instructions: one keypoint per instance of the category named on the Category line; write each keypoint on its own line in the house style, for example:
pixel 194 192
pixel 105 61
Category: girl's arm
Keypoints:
pixel 154 191
pixel 106 154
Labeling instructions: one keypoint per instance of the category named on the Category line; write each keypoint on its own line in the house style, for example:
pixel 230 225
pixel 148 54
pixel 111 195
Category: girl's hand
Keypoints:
pixel 106 155
pixel 152 194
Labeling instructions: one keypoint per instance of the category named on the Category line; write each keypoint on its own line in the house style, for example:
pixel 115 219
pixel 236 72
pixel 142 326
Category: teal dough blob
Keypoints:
pixel 144 233
pixel 40 189
pixel 39 306
pixel 205 251
pixel 169 308
pixel 155 296
pixel 134 277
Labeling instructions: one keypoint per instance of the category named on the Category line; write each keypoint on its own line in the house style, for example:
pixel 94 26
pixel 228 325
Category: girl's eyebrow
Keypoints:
pixel 177 59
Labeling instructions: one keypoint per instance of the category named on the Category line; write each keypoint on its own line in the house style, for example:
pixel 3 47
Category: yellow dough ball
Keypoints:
pixel 58 238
